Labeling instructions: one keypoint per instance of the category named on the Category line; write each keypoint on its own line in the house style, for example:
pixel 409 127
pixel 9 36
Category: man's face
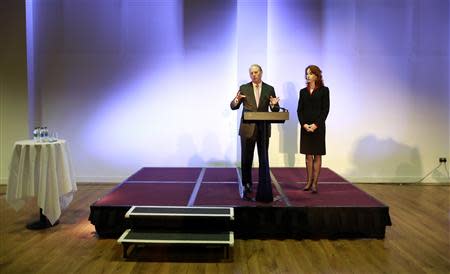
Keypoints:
pixel 255 74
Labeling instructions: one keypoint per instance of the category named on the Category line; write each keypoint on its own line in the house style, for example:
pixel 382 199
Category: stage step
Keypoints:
pixel 180 211
pixel 130 237
pixel 178 218
pixel 179 225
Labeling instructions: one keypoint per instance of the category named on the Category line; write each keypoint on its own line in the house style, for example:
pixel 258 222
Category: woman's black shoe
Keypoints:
pixel 307 187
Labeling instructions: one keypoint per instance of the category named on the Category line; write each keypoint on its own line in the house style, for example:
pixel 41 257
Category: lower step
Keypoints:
pixel 130 237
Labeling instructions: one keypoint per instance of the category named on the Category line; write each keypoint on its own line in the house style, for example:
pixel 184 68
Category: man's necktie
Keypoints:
pixel 257 94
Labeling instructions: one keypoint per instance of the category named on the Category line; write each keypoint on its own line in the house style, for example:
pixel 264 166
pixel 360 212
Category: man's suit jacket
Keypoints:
pixel 247 129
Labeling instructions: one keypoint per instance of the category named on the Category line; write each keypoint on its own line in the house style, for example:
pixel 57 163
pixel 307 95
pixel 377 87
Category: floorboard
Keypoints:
pixel 417 242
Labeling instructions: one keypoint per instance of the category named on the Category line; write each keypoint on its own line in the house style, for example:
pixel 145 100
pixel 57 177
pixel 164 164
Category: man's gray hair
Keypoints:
pixel 255 65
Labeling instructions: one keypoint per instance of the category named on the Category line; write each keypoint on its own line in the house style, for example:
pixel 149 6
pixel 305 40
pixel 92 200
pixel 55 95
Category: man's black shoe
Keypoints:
pixel 247 197
pixel 248 188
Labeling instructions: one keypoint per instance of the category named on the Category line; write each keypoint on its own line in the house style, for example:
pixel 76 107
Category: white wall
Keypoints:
pixel 148 83
pixel 387 66
pixel 138 83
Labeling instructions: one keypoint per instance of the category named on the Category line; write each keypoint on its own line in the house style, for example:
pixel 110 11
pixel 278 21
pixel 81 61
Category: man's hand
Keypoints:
pixel 274 100
pixel 239 96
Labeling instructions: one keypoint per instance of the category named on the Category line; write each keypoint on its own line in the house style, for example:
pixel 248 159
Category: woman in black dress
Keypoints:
pixel 312 111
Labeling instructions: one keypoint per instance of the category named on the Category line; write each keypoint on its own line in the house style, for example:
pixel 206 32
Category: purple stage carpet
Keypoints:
pixel 338 210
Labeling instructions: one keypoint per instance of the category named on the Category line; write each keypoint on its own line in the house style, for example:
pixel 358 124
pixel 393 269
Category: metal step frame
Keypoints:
pixel 131 237
pixel 141 236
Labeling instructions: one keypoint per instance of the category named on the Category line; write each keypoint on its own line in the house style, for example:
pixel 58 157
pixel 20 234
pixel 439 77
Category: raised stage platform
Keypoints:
pixel 338 210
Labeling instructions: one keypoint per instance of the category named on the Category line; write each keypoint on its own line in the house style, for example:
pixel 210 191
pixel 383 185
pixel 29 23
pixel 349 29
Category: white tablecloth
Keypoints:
pixel 42 170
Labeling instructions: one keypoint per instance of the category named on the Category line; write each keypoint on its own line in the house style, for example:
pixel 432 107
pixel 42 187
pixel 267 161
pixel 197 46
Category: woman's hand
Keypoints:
pixel 310 128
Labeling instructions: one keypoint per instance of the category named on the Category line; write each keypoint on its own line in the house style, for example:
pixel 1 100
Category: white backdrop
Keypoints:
pixel 148 83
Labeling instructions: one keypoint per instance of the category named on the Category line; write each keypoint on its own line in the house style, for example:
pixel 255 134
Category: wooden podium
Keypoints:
pixel 270 117
pixel 264 192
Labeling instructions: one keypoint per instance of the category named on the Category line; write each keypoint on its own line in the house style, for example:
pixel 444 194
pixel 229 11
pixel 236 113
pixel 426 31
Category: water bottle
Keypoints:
pixel 36 134
pixel 41 134
pixel 46 134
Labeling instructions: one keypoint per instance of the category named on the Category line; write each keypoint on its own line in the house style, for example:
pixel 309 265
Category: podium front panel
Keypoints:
pixel 272 117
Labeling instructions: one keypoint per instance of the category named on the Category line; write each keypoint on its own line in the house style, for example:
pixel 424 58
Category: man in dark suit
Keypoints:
pixel 256 96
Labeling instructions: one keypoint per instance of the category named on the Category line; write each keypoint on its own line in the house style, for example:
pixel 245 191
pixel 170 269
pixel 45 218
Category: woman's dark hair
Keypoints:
pixel 317 72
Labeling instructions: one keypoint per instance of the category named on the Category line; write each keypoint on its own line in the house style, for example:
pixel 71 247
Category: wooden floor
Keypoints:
pixel 418 242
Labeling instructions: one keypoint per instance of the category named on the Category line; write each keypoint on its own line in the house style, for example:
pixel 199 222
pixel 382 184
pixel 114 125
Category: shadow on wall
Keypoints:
pixel 186 147
pixel 385 159
pixel 211 146
pixel 289 141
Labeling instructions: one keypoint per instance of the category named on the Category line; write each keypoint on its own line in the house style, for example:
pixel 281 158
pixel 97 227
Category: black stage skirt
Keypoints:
pixel 313 143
